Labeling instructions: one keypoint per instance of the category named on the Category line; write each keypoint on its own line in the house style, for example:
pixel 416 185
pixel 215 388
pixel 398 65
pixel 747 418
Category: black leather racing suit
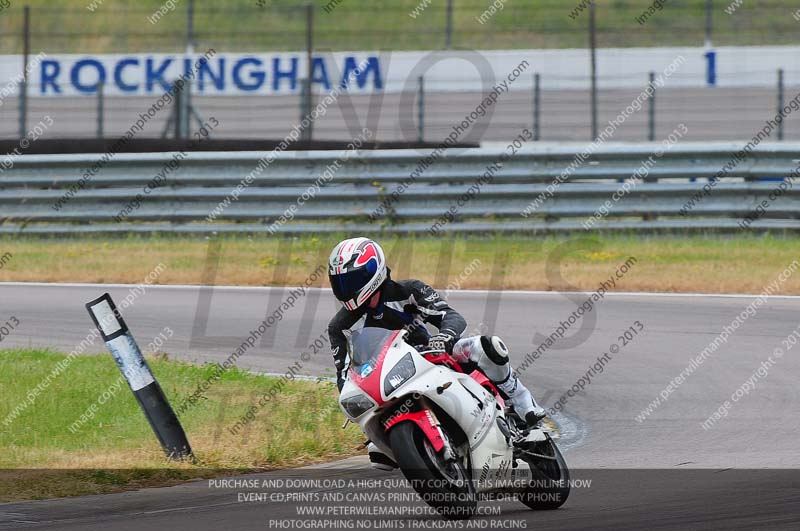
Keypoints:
pixel 404 304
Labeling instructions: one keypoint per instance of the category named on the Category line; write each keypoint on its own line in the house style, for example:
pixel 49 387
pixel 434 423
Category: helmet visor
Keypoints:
pixel 347 285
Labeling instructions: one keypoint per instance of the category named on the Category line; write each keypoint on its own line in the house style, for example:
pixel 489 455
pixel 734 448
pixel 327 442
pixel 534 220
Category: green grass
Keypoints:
pixel 712 263
pixel 41 457
pixel 67 26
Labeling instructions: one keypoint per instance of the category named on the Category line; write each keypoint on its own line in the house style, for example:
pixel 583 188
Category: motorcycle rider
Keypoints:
pixel 361 281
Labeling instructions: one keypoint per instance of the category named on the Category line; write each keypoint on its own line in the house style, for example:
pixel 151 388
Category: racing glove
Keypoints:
pixel 442 341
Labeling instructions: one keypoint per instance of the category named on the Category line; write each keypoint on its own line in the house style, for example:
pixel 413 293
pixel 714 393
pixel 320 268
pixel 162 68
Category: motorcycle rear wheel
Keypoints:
pixel 444 485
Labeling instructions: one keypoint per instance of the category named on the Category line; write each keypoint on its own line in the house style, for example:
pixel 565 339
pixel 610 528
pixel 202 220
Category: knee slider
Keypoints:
pixel 495 349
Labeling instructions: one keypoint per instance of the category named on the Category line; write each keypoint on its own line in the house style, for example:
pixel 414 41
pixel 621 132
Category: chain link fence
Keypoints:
pixel 110 26
pixel 115 26
pixel 709 114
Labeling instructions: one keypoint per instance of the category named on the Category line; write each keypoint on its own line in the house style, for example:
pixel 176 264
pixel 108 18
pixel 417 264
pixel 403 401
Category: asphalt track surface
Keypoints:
pixel 665 472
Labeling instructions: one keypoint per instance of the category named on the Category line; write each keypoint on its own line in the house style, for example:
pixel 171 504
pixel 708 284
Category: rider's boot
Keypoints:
pixel 379 460
pixel 521 399
pixel 491 355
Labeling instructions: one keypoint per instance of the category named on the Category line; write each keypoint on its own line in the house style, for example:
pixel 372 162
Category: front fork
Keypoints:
pixel 429 423
pixel 447 449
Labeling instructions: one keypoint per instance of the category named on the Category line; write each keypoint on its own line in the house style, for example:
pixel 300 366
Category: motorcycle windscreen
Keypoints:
pixel 365 347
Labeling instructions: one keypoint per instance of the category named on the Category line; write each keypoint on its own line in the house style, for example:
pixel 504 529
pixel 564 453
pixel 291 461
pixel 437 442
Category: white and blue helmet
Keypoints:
pixel 357 270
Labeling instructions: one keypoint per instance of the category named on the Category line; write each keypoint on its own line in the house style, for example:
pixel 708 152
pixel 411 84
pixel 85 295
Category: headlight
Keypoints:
pixel 355 406
pixel 400 373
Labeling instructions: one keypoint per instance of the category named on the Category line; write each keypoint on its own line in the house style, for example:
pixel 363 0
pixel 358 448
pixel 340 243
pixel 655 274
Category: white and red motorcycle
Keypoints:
pixel 449 432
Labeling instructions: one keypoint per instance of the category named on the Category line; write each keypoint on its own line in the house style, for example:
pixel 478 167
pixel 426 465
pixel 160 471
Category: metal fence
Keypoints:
pixel 555 115
pixel 396 191
pixel 710 113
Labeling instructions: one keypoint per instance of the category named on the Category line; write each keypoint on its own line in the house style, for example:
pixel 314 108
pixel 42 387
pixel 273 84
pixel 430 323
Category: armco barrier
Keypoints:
pixel 33 184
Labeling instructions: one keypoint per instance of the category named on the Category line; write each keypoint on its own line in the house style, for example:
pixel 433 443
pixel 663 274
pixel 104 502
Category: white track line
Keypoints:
pixel 465 291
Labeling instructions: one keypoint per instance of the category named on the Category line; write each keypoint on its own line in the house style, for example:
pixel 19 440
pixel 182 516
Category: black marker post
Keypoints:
pixel 134 368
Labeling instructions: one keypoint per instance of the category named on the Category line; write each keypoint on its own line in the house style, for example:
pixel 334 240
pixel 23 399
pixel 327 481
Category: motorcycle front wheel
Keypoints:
pixel 550 485
pixel 444 485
